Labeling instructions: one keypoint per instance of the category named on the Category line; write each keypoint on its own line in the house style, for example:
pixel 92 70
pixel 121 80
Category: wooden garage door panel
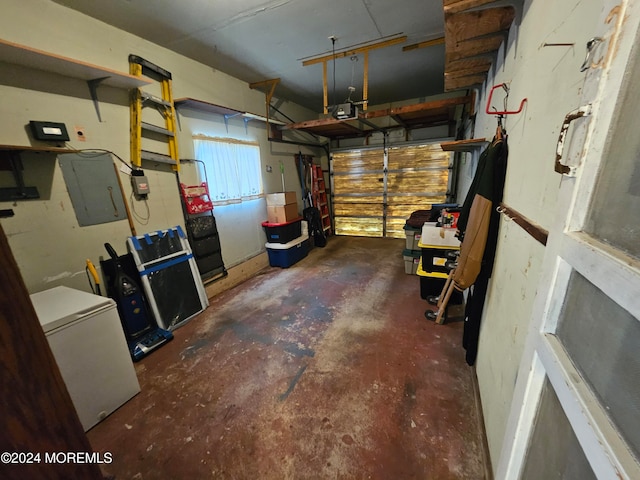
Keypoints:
pixel 370 200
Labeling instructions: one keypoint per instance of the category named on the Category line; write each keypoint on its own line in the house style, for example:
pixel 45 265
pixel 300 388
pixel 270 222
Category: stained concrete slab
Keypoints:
pixel 327 369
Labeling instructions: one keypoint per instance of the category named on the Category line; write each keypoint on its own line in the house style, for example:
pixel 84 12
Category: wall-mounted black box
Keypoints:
pixel 49 131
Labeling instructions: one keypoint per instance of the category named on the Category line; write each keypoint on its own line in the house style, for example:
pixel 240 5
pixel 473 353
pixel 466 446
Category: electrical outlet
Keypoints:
pixel 269 169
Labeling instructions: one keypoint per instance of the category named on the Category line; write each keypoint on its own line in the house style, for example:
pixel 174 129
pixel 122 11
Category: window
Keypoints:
pixel 230 167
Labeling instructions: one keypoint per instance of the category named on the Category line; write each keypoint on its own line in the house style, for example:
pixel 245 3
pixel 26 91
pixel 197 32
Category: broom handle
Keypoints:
pixel 282 174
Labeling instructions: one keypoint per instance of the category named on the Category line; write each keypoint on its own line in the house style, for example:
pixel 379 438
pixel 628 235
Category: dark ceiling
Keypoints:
pixel 255 40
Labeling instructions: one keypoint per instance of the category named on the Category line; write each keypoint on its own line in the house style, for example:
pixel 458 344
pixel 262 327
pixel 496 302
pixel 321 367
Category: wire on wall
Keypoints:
pixel 143 219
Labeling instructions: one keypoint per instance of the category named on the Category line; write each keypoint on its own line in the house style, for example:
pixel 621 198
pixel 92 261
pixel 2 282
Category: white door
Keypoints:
pixel 576 407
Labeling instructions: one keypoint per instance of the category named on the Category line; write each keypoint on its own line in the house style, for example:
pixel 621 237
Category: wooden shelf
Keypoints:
pixel 47 149
pixel 421 115
pixel 94 75
pixel 40 60
pixel 465 145
pixel 474 32
pixel 455 6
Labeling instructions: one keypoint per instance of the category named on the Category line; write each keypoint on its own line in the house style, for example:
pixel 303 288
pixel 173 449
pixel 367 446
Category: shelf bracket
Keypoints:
pixel 271 85
pixel 20 191
pixel 227 116
pixel 93 90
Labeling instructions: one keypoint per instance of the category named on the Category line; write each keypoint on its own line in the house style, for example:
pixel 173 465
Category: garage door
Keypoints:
pixel 375 191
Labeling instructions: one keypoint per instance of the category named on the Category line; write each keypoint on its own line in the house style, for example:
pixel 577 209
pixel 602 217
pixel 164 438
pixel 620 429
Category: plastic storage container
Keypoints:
pixel 283 232
pixel 435 259
pixel 286 254
pixel 411 261
pixel 412 237
pixel 433 283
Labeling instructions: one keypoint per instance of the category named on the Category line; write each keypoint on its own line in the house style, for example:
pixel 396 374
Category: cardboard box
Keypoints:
pixel 282 214
pixel 281 199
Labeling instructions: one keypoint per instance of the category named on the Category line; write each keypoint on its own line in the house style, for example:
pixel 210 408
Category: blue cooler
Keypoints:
pixel 286 254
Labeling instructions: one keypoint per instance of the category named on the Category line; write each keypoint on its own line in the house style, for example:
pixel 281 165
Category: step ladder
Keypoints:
pixel 319 195
pixel 160 108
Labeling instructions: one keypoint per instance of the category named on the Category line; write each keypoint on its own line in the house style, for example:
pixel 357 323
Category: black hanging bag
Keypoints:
pixel 314 222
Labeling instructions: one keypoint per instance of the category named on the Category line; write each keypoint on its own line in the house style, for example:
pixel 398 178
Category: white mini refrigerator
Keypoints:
pixel 88 343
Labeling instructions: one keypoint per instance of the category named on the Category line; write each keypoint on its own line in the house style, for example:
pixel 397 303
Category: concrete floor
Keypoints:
pixel 327 369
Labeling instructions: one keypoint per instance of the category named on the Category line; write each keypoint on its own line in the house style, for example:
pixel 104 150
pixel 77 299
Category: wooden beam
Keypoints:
pixel 426 43
pixel 533 229
pixel 355 51
pixel 321 123
pixel 271 83
pixel 325 89
pixel 467 72
pixel 467 145
pixel 478 64
pixel 459 83
pixel 365 82
pixel 455 6
pixel 265 83
pixel 46 149
pixel 476 70
pixel 348 53
pixel 435 105
pixel 475 48
pixel 477 24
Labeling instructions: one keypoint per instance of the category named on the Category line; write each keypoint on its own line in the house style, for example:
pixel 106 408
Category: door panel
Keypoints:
pixel 578 382
pixel 376 190
pixel 591 323
pixel 614 216
pixel 554 450
pixel 357 192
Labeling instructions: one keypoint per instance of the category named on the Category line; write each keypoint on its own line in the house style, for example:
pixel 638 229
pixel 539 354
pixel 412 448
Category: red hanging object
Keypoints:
pixel 505 112
pixel 196 198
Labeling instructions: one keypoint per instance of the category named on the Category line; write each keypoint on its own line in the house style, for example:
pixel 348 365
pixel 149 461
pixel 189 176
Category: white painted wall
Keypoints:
pixel 550 79
pixel 51 248
pixel 46 240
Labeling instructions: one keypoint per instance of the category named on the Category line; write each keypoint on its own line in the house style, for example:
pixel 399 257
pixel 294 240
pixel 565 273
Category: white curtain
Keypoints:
pixel 231 169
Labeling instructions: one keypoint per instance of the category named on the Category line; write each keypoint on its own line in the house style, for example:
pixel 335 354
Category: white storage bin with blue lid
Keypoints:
pixel 286 254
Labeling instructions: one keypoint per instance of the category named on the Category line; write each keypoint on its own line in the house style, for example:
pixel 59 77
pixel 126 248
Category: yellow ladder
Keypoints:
pixel 164 105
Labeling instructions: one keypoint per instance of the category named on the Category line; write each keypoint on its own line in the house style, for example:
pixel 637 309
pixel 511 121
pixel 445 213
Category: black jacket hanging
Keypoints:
pixel 487 186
